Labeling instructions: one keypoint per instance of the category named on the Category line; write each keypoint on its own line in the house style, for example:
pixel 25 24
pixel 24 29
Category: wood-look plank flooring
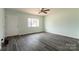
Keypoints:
pixel 41 42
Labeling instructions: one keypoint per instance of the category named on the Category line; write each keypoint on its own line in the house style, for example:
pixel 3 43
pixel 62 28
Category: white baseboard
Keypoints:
pixel 65 35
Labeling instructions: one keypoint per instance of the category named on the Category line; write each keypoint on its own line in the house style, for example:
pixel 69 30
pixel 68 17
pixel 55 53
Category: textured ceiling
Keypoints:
pixel 34 11
pixel 52 11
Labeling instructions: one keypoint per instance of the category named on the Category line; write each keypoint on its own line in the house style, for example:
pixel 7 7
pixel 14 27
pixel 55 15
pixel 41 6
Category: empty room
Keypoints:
pixel 39 29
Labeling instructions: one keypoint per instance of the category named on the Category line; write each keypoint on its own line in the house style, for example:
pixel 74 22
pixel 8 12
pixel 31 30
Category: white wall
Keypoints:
pixel 16 23
pixel 64 22
pixel 1 25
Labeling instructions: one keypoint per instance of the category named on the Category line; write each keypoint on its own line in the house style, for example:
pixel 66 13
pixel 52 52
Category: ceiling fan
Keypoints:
pixel 44 10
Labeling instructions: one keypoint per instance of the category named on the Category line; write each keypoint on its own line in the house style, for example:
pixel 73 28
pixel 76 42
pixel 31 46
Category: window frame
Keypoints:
pixel 33 22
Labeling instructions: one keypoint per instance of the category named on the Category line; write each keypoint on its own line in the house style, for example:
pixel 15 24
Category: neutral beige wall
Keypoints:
pixel 2 34
pixel 16 23
pixel 64 22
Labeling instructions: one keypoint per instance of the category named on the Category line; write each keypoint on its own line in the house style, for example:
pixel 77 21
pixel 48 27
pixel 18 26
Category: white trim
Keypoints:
pixel 65 35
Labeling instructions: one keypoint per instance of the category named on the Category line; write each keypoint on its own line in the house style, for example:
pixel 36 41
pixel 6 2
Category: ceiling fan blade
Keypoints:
pixel 44 12
pixel 42 9
pixel 47 10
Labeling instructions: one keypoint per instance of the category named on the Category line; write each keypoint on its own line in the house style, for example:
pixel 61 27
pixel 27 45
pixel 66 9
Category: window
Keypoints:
pixel 33 22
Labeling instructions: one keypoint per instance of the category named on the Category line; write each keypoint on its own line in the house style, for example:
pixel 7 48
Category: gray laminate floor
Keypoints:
pixel 41 42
